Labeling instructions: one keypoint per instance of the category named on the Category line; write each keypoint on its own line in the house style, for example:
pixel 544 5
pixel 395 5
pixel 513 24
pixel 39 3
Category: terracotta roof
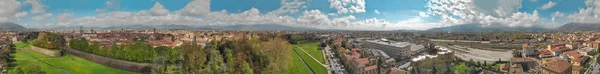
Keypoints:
pixel 573 53
pixel 522 60
pixel 371 67
pixel 516 66
pixel 557 66
pixel 362 62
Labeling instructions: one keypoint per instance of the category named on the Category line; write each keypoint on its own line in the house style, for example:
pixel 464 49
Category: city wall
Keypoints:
pixel 114 63
pixel 54 53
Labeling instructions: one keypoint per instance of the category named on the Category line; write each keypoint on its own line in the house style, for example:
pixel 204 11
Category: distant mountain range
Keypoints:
pixel 580 27
pixel 480 28
pixel 182 27
pixel 10 26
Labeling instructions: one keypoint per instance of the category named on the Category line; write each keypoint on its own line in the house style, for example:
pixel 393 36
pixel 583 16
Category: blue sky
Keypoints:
pixel 392 14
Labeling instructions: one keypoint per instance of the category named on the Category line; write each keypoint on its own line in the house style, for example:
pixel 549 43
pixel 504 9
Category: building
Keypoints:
pixel 529 51
pixel 556 67
pixel 368 61
pixel 416 48
pixel 397 50
pixel 523 64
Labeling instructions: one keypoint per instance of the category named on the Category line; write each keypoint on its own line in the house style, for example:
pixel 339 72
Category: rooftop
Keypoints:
pixel 557 66
pixel 522 60
pixel 390 43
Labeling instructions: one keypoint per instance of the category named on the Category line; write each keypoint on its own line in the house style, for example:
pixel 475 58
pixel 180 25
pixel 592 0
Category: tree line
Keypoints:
pixel 139 51
pixel 265 55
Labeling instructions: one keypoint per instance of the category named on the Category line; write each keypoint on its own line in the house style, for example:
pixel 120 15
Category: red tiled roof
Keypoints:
pixel 573 53
pixel 522 60
pixel 371 67
pixel 557 66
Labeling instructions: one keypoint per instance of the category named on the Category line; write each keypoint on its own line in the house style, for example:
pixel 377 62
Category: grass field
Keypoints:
pixel 297 66
pixel 60 65
pixel 313 49
pixel 318 68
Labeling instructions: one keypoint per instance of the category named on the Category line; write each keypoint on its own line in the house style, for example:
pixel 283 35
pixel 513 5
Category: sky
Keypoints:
pixel 321 14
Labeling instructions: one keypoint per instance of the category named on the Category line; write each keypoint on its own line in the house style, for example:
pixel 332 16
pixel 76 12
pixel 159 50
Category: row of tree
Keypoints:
pixel 139 51
pixel 5 50
pixel 261 55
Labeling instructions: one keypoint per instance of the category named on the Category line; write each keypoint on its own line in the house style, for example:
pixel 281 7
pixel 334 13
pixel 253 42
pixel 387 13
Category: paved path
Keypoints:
pixel 310 56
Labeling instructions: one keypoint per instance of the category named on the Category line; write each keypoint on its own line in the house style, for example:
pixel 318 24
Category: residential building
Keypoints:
pixel 556 67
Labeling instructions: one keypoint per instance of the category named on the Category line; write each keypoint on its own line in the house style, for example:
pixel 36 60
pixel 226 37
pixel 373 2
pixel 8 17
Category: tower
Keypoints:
pixel 80 29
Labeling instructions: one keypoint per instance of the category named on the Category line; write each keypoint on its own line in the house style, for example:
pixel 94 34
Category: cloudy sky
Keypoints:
pixel 322 14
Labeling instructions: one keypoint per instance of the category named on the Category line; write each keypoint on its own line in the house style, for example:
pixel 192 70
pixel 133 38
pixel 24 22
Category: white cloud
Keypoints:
pixel 41 17
pixel 423 14
pixel 548 6
pixel 485 12
pixel 36 7
pixel 9 7
pixel 196 8
pixel 110 5
pixel 159 10
pixel 289 7
pixel 64 17
pixel 376 11
pixel 586 15
pixel 557 15
pixel 533 0
pixel 348 6
pixel 253 16
pixel 21 14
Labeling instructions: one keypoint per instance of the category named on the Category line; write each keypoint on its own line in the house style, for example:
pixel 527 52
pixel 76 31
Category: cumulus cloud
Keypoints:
pixel 36 7
pixel 485 12
pixel 348 6
pixel 376 11
pixel 41 17
pixel 289 7
pixel 110 5
pixel 533 0
pixel 196 8
pixel 423 14
pixel 548 6
pixel 253 16
pixel 159 10
pixel 64 17
pixel 9 7
pixel 21 14
pixel 586 15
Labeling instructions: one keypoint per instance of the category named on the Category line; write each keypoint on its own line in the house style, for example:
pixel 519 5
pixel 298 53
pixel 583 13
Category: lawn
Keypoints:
pixel 60 65
pixel 313 64
pixel 313 49
pixel 297 66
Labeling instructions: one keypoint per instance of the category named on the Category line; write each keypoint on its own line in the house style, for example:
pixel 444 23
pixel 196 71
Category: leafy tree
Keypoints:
pixel 34 69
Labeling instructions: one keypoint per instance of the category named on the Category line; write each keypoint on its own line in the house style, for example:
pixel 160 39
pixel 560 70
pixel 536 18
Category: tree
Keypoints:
pixel 247 68
pixel 19 71
pixel 34 69
pixel 231 64
pixel 434 70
